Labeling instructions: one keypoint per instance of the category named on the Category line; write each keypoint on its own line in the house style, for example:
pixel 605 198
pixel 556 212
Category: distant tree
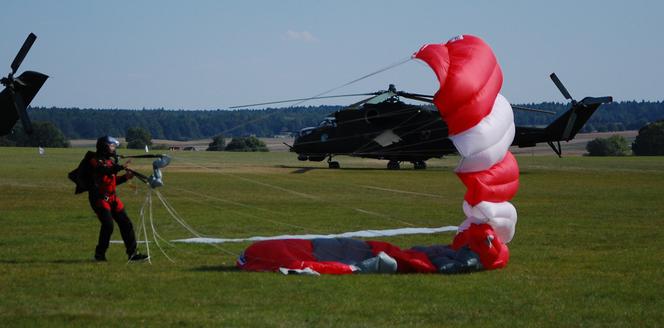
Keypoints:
pixel 44 134
pixel 7 142
pixel 218 143
pixel 614 145
pixel 650 140
pixel 138 138
pixel 250 143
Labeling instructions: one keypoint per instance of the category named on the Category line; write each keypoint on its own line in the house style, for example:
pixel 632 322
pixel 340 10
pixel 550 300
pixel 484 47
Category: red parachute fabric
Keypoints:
pixel 497 184
pixel 482 240
pixel 270 255
pixel 469 77
pixel 408 261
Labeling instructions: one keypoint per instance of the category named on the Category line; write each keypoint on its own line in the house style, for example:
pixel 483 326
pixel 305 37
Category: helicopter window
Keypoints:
pixel 328 121
pixel 306 131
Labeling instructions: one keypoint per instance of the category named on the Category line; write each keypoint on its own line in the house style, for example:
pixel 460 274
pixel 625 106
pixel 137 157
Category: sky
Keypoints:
pixel 215 54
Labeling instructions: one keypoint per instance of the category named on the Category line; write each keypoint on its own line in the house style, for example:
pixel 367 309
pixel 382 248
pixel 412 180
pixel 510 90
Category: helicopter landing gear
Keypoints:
pixel 420 165
pixel 332 164
pixel 393 165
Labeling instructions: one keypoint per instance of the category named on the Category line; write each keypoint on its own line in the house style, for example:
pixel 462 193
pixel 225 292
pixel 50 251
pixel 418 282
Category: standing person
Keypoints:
pixel 104 201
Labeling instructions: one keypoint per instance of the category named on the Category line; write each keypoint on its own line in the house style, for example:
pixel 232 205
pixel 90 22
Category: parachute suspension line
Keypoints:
pixel 142 227
pixel 296 193
pixel 156 235
pixel 184 224
pixel 141 216
pixel 238 204
pixel 312 197
pixel 391 66
pixel 176 216
pixel 275 222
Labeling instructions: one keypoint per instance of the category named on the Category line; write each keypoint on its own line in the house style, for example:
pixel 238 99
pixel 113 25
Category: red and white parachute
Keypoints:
pixel 481 126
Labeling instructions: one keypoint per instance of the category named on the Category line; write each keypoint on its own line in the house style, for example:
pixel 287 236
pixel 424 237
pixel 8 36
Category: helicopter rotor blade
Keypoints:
pixel 377 98
pixel 416 96
pixel 23 52
pixel 560 86
pixel 403 93
pixel 303 99
pixel 527 109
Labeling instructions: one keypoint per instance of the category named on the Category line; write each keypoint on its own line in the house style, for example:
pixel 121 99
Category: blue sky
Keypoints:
pixel 215 54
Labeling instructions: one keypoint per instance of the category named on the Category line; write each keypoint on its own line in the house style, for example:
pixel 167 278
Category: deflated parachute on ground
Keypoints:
pixel 481 126
pixel 346 255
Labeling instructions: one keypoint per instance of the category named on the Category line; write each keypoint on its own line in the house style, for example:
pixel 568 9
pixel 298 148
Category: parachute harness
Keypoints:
pixel 154 180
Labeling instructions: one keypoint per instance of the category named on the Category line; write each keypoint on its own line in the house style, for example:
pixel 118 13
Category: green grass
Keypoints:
pixel 587 252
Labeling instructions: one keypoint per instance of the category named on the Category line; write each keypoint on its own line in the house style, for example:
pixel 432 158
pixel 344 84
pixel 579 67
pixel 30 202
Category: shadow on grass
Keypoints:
pixel 216 268
pixel 304 170
pixel 66 261
pixel 299 169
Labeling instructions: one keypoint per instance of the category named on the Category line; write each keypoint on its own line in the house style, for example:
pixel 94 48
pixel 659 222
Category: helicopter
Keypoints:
pixel 383 127
pixel 19 92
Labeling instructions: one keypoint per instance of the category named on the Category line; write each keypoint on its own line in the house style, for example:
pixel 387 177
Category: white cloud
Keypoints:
pixel 304 36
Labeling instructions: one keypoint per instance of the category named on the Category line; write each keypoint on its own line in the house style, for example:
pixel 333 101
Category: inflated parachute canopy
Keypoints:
pixel 481 126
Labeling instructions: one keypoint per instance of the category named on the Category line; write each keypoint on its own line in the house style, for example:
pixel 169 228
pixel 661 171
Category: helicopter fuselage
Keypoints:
pixel 390 130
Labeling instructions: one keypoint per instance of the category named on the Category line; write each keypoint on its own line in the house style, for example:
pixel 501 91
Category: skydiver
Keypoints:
pixel 104 201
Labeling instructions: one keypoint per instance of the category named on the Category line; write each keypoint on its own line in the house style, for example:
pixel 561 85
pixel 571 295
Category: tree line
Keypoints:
pixel 78 123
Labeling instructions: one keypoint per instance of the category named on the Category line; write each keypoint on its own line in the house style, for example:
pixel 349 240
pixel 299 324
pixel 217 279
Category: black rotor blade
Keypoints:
pixel 402 93
pixel 303 99
pixel 596 100
pixel 416 96
pixel 533 110
pixel 19 106
pixel 23 52
pixel 560 86
pixel 377 98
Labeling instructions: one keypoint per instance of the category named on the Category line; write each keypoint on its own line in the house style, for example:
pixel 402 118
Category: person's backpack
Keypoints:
pixel 82 175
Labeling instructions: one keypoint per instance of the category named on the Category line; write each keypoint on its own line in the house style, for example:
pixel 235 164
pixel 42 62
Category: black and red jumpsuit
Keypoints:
pixel 108 207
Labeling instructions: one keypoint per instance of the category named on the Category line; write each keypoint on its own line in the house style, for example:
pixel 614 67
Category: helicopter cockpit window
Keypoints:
pixel 328 121
pixel 306 131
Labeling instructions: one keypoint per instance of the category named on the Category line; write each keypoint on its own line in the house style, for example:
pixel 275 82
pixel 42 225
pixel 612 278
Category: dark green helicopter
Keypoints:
pixel 19 92
pixel 384 127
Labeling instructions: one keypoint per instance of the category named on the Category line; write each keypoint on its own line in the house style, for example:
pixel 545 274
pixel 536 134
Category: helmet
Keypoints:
pixel 103 144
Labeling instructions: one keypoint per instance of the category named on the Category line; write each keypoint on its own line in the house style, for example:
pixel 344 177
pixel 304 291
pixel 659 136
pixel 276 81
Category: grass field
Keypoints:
pixel 587 252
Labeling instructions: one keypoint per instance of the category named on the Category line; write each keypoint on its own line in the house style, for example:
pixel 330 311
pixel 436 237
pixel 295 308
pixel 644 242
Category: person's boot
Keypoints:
pixel 100 257
pixel 137 257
